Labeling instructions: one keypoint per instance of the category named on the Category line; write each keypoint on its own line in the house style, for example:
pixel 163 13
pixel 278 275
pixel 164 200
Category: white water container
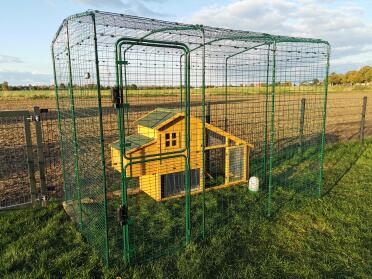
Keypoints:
pixel 253 184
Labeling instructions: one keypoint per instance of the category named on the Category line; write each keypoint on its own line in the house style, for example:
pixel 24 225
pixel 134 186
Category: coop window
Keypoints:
pixel 170 139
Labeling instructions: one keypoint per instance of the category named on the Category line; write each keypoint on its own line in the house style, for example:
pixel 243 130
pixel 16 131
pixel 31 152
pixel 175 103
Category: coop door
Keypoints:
pixel 153 80
pixel 153 122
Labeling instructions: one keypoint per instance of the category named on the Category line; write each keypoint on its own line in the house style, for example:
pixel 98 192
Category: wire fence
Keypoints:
pixel 349 119
pixel 163 123
pixel 31 171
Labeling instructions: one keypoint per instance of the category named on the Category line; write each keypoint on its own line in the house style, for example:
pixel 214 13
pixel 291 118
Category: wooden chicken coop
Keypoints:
pixel 162 131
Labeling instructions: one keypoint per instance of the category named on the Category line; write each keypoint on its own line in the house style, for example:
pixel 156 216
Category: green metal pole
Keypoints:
pixel 203 133
pixel 187 182
pixel 125 108
pixel 321 159
pixel 59 126
pixel 272 132
pixel 74 132
pixel 124 198
pixel 264 167
pixel 102 144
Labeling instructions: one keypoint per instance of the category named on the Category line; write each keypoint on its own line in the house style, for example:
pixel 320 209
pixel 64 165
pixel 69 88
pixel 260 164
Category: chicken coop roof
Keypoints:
pixel 133 142
pixel 156 117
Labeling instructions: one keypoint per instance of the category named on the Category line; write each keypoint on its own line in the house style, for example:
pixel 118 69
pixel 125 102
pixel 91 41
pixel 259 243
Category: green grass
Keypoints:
pixel 349 89
pixel 306 237
pixel 24 94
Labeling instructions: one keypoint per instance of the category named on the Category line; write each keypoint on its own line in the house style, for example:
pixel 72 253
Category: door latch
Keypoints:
pixel 116 96
pixel 123 215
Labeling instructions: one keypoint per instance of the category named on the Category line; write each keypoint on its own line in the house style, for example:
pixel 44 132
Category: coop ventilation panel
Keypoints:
pixel 174 183
pixel 236 163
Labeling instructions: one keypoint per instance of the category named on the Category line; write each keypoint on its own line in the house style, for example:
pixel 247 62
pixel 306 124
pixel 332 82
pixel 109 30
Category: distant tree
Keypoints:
pixel 133 86
pixel 350 77
pixel 315 81
pixel 335 79
pixel 365 74
pixel 5 86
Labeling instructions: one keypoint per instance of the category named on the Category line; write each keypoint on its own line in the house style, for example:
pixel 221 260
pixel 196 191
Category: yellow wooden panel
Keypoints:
pixel 179 128
pixel 115 159
pixel 149 149
pixel 150 184
pixel 139 169
pixel 148 132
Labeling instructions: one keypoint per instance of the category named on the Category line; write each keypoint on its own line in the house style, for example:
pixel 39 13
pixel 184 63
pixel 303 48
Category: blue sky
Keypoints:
pixel 28 26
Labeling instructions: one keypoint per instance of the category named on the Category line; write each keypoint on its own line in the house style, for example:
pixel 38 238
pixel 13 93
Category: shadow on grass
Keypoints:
pixel 296 174
pixel 340 158
pixel 158 229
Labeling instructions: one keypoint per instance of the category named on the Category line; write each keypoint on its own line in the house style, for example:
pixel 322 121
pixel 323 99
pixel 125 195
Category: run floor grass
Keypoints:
pixel 306 237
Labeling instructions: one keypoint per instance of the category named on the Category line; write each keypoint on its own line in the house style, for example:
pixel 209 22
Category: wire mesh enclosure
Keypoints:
pixel 163 123
pixel 17 170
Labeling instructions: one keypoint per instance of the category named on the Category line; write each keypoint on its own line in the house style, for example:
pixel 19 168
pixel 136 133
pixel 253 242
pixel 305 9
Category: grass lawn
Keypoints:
pixel 329 237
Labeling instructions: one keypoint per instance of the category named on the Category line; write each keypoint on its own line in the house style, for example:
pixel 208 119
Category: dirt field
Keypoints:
pixel 245 119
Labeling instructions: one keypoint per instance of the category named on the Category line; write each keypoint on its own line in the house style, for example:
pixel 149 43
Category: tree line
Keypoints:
pixel 361 76
pixel 6 87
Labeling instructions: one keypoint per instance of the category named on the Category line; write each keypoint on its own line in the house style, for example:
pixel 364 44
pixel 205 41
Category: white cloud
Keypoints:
pixel 248 15
pixel 342 25
pixel 22 77
pixel 100 3
pixel 9 59
pixel 134 7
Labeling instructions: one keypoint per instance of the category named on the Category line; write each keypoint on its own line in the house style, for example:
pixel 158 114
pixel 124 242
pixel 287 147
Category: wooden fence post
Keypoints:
pixel 30 160
pixel 40 150
pixel 363 119
pixel 302 123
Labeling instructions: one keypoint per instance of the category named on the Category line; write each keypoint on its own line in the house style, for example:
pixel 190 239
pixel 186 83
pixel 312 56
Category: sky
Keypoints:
pixel 27 27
